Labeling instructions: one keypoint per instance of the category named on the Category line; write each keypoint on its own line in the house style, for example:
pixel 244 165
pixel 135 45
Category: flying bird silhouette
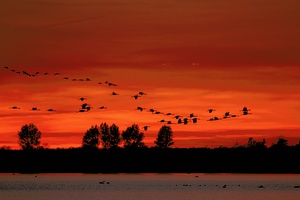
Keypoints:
pixel 34 109
pixel 245 109
pixel 152 110
pixel 135 96
pixel 168 114
pixel 214 119
pixel 14 107
pixel 102 107
pixel 83 106
pixel 195 120
pixel 226 115
pixel 211 110
pixel 177 116
pixel 185 121
pixel 88 108
pixel 82 99
pixel 192 115
pixel 140 108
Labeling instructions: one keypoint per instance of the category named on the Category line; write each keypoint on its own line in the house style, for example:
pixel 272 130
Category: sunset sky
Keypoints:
pixel 188 56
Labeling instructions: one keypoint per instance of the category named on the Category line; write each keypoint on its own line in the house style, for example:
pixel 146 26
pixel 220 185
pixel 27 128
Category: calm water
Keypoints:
pixel 149 186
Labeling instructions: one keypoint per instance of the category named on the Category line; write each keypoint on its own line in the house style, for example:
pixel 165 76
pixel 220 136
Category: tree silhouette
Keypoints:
pixel 29 137
pixel 254 144
pixel 110 136
pixel 251 143
pixel 91 138
pixel 281 143
pixel 115 136
pixel 132 137
pixel 164 137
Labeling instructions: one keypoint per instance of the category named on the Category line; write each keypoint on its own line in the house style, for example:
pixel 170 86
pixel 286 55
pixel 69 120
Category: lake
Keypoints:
pixel 150 186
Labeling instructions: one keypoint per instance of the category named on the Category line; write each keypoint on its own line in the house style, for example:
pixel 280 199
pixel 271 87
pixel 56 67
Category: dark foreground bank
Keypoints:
pixel 152 160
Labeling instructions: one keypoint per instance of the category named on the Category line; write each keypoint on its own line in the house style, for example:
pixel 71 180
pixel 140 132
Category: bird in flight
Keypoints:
pixel 102 107
pixel 110 84
pixel 146 128
pixel 114 93
pixel 34 109
pixel 14 107
pixel 151 110
pixel 214 119
pixel 192 115
pixel 140 108
pixel 226 115
pixel 82 99
pixel 83 106
pixel 177 116
pixel 245 109
pixel 168 114
pixel 195 120
pixel 211 110
pixel 185 121
pixel 135 96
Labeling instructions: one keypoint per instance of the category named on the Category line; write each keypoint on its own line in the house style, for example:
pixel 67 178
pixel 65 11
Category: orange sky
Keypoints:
pixel 188 56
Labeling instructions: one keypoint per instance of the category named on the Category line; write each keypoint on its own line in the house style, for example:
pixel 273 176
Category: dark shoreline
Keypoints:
pixel 153 160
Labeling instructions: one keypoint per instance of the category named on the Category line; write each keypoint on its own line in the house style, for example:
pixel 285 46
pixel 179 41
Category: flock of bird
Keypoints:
pixel 85 107
pixel 191 118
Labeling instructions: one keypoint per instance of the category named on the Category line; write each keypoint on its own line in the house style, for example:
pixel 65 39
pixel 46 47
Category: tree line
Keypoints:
pixel 109 137
pixel 106 149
